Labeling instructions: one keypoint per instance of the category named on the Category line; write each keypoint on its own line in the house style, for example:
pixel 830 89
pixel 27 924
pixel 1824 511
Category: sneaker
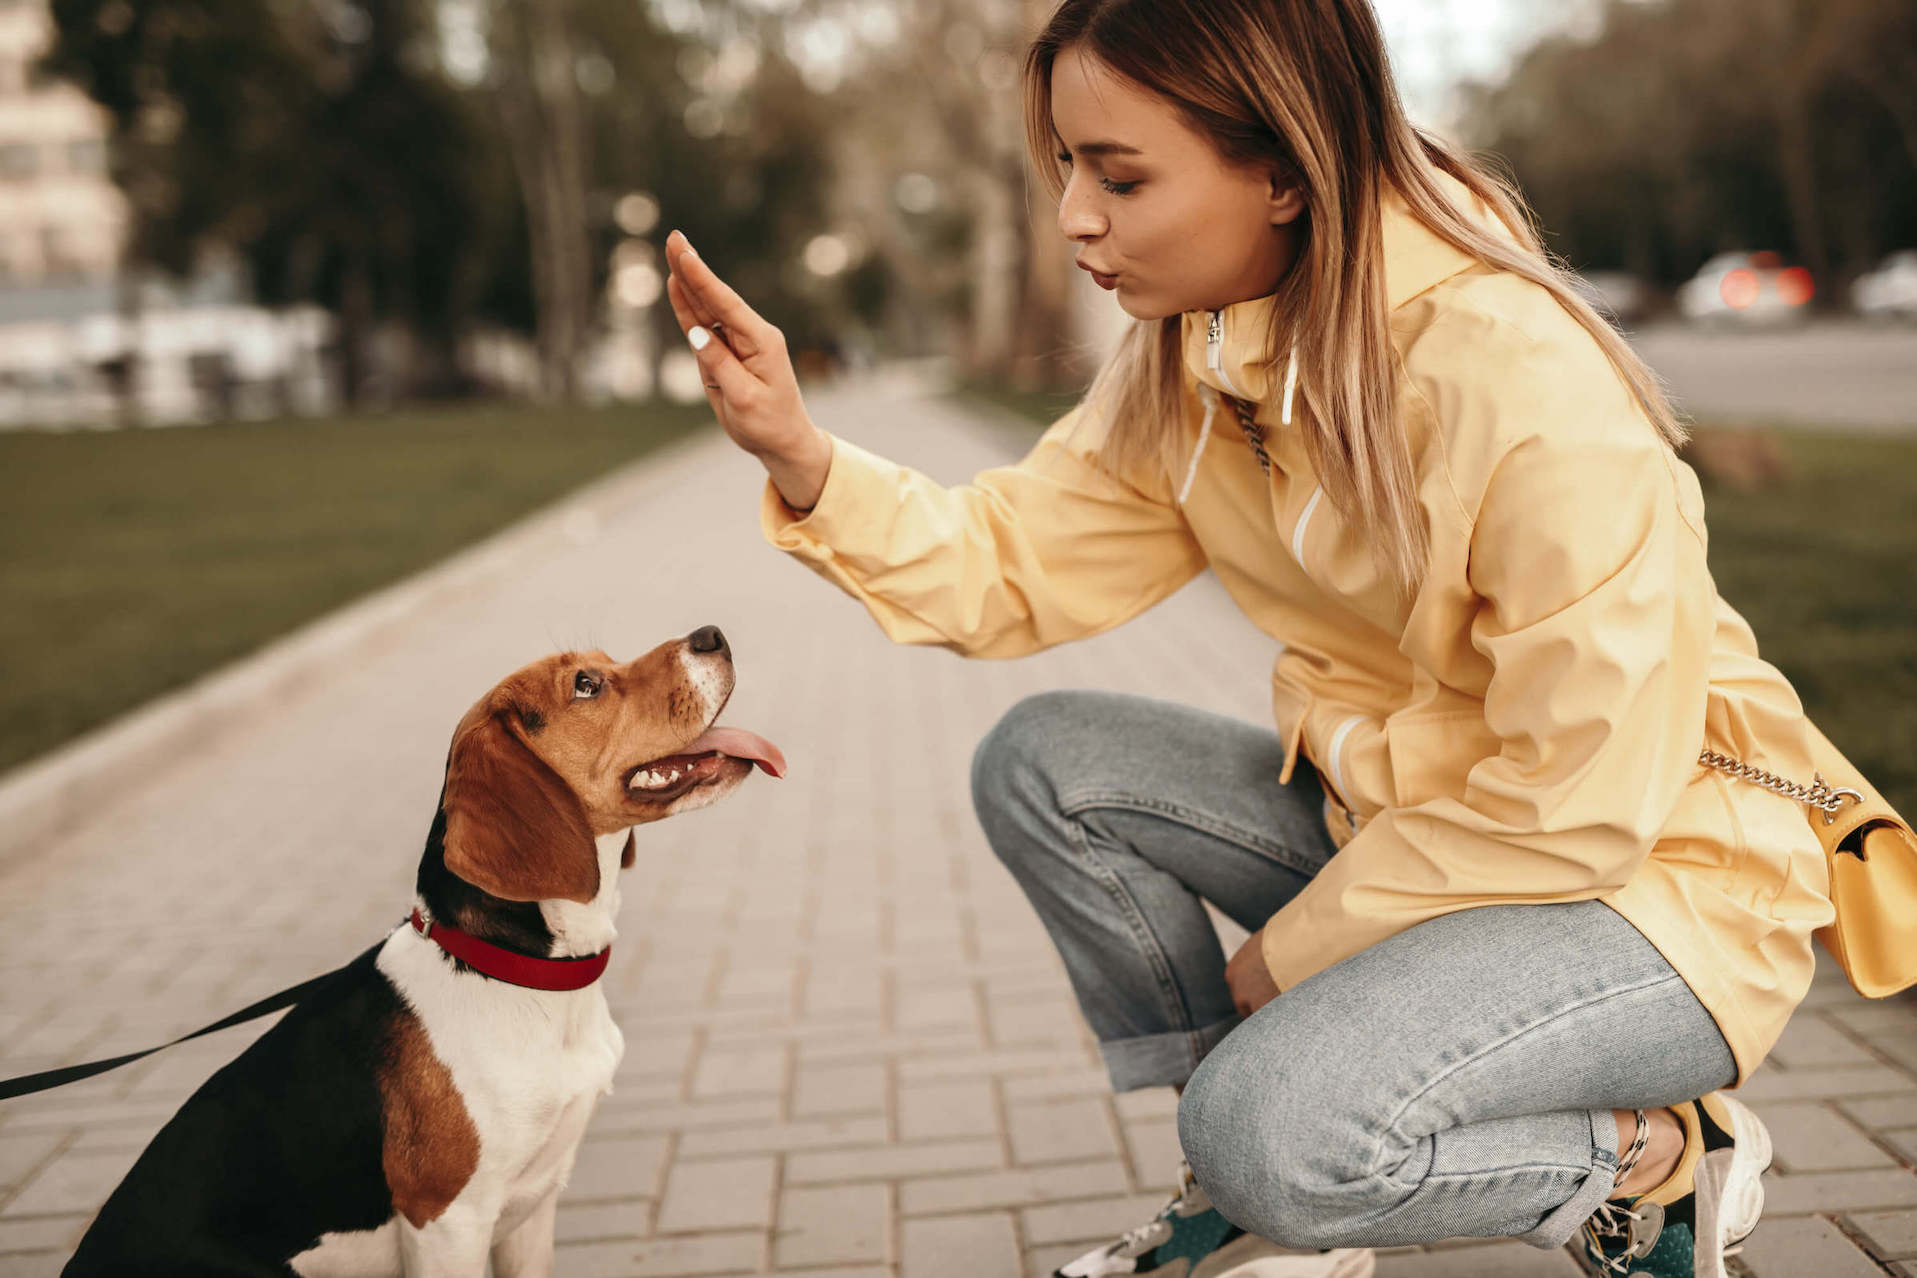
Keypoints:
pixel 1685 1227
pixel 1189 1239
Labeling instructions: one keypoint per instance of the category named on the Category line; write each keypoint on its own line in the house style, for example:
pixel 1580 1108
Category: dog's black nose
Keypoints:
pixel 707 639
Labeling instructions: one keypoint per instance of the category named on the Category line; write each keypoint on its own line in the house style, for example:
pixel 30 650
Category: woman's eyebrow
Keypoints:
pixel 1104 148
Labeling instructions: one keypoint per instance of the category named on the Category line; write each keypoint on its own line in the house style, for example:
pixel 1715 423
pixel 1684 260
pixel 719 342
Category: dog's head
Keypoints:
pixel 577 745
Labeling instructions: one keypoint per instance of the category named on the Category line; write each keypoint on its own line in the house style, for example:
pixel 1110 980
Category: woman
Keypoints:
pixel 1517 927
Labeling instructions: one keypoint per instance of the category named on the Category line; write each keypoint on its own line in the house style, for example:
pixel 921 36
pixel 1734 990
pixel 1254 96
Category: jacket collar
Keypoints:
pixel 1415 261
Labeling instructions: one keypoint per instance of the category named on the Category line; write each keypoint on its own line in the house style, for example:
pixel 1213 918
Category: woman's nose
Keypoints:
pixel 1076 219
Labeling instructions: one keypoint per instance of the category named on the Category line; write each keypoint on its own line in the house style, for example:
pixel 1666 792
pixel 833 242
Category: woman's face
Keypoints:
pixel 1156 213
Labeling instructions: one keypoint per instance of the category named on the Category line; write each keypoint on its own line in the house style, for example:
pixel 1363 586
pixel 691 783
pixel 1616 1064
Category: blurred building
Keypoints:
pixel 68 324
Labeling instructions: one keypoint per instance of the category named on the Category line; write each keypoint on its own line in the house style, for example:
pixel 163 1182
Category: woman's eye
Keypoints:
pixel 1117 188
pixel 1064 157
pixel 585 684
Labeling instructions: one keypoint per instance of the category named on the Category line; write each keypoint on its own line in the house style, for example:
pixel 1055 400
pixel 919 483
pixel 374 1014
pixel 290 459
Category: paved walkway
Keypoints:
pixel 850 1049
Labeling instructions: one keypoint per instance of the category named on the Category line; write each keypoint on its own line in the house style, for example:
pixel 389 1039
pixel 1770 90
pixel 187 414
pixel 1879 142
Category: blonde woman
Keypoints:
pixel 1506 929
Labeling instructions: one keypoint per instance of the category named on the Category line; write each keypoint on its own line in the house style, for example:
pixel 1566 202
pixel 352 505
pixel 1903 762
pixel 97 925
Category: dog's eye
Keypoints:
pixel 586 685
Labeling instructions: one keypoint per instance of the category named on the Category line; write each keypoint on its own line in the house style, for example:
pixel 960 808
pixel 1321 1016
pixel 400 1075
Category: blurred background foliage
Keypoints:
pixel 1668 131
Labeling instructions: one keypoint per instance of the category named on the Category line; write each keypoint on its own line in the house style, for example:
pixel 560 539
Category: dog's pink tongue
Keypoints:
pixel 741 744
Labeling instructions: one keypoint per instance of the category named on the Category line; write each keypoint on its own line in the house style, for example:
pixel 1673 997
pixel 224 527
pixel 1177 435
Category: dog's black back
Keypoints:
pixel 276 1149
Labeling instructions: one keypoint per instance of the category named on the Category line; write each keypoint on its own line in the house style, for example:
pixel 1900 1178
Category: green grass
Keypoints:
pixel 133 561
pixel 1824 566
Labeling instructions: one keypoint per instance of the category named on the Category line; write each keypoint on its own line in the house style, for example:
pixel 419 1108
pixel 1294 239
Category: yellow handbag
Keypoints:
pixel 1872 855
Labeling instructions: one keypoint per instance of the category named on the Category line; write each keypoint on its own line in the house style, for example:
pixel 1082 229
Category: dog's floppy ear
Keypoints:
pixel 631 853
pixel 513 828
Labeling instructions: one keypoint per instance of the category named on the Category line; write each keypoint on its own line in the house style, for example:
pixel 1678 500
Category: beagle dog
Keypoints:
pixel 420 1112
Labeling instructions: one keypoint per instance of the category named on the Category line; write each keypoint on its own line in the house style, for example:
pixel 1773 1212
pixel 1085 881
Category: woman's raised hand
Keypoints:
pixel 748 376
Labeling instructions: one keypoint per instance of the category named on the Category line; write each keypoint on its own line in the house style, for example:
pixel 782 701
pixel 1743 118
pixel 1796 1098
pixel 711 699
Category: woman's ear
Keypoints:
pixel 1285 202
pixel 513 828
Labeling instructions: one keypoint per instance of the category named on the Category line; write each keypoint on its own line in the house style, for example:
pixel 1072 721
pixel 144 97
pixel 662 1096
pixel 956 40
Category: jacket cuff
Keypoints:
pixel 854 482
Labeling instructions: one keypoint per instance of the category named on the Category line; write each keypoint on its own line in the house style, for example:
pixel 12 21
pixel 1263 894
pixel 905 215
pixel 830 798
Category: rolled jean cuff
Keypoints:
pixel 1161 1060
pixel 1562 1222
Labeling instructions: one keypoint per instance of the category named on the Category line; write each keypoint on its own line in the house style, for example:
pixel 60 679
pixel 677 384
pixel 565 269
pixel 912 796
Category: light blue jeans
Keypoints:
pixel 1456 1080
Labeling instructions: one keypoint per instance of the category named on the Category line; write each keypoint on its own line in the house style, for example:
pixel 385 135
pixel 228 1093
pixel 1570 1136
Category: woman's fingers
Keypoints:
pixel 714 300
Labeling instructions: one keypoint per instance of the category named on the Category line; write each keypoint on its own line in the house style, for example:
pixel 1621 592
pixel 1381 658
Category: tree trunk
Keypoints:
pixel 538 98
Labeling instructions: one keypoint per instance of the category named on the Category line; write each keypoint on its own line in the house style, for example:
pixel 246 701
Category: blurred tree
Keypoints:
pixel 315 137
pixel 1687 127
pixel 534 68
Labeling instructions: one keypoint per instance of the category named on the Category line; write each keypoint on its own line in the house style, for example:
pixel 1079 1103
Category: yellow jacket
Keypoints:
pixel 1526 729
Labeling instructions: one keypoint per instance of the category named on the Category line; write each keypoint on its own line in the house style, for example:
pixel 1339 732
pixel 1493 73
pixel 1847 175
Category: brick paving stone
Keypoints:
pixel 818 1133
pixel 1883 1112
pixel 1890 1235
pixel 73 1181
pixel 936 1009
pixel 1058 1084
pixel 1840 1083
pixel 37 1233
pixel 846 1223
pixel 720 1194
pixel 1809 1041
pixel 22 1152
pixel 1036 1022
pixel 1802 1247
pixel 617 1167
pixel 591 1222
pixel 663 1257
pixel 38 1264
pixel 887 1162
pixel 1904 1142
pixel 974 1064
pixel 1025 1186
pixel 1090 1221
pixel 723 1072
pixel 934 1111
pixel 1813 1138
pixel 958 1246
pixel 1838 1191
pixel 655 1053
pixel 1155 1152
pixel 687 1116
pixel 854 1048
pixel 838 1089
pixel 1496 1260
pixel 1062 1131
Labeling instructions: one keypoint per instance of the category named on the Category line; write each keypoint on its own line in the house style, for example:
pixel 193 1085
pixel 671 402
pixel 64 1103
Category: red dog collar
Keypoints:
pixel 511 966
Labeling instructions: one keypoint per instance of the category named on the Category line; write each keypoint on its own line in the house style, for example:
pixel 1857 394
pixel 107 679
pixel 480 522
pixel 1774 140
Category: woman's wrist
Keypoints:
pixel 799 472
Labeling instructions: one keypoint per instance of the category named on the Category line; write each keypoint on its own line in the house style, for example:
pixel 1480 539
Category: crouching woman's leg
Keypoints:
pixel 1456 1080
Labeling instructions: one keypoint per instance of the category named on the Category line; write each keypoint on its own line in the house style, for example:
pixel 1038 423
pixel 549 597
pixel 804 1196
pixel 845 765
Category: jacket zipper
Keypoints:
pixel 1215 349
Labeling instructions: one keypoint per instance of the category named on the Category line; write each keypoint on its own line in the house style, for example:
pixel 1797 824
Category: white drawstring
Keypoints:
pixel 1291 385
pixel 1210 397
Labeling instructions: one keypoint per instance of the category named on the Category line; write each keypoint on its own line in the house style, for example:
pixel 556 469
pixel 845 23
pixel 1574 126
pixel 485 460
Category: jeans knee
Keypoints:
pixel 1009 765
pixel 1276 1153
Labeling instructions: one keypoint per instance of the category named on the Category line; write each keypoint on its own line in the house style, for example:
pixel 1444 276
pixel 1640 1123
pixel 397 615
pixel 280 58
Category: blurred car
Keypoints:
pixel 1746 288
pixel 1622 297
pixel 1890 291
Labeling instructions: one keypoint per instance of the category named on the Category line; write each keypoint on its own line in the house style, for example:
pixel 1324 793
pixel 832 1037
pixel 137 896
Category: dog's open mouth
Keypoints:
pixel 702 761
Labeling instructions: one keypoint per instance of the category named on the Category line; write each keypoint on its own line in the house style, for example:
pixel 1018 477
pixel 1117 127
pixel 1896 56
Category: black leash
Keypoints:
pixel 29 1083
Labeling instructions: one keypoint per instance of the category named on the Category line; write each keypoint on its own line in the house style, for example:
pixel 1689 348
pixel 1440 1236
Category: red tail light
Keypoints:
pixel 1740 289
pixel 1795 286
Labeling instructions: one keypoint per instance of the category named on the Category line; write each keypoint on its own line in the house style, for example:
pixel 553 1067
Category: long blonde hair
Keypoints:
pixel 1305 85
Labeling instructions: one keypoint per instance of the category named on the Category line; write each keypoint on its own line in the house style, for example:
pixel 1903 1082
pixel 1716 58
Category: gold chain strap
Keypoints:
pixel 1820 795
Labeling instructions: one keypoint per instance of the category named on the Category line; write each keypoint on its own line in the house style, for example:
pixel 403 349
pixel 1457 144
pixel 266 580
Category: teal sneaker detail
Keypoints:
pixel 1189 1239
pixel 1690 1236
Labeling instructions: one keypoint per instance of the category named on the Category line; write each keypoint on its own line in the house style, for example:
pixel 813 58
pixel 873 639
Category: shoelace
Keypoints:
pixel 1612 1222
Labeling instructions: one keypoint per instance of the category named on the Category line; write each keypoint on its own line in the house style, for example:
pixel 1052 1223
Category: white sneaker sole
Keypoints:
pixel 1343 1263
pixel 1730 1189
